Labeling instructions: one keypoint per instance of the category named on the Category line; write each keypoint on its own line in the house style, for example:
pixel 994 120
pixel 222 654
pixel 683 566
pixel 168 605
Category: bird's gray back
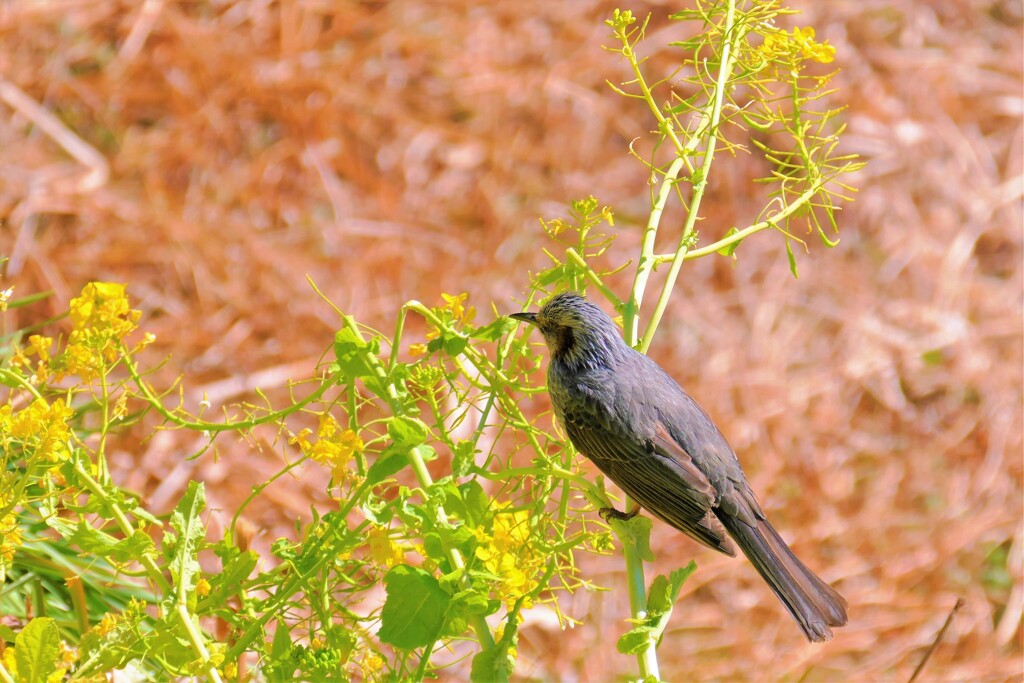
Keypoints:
pixel 631 397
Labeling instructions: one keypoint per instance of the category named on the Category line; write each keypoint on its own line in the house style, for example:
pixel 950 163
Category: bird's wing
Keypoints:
pixel 657 474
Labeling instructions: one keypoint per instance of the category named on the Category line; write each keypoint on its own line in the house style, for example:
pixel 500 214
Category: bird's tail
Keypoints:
pixel 813 603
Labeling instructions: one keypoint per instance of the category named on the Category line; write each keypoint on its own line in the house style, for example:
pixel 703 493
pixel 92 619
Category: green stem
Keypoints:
pixel 644 267
pixel 8 377
pixel 196 640
pixel 291 585
pixel 724 71
pixel 594 278
pixel 478 623
pixel 147 561
pixel 202 426
pixel 772 222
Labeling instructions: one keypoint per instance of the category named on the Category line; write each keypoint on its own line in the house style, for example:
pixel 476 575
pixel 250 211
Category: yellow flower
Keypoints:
pixel 202 588
pixel 107 625
pixel 508 553
pixel 418 349
pixel 68 654
pixel 372 664
pixel 456 304
pixel 10 662
pixel 6 419
pixel 811 49
pixel 383 549
pixel 5 296
pixel 40 346
pixel 799 42
pixel 101 318
pixel 42 427
pixel 10 532
pixel 334 447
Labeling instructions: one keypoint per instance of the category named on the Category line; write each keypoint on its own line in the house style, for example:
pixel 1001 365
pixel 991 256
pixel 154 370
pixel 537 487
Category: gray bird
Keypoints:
pixel 621 410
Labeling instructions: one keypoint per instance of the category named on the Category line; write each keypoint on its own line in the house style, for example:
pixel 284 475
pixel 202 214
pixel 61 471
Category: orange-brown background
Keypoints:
pixel 396 150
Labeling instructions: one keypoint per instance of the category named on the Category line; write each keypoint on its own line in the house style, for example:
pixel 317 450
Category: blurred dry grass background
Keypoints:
pixel 211 154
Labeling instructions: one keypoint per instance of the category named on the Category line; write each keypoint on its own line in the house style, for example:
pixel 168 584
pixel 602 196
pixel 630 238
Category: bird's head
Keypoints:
pixel 575 330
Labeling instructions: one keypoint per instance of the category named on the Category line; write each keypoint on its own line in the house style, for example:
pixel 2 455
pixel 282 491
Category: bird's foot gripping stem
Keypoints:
pixel 608 514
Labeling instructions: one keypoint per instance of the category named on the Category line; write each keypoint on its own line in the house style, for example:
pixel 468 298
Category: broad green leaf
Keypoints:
pixel 462 458
pixel 664 591
pixel 387 464
pixel 406 432
pixel 494 664
pixel 635 640
pixel 36 649
pixel 454 344
pixel 414 610
pixel 495 330
pixel 354 355
pixel 475 500
pixel 236 570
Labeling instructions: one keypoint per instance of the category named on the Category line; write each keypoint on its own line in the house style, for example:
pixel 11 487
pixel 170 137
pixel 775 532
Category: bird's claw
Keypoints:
pixel 608 514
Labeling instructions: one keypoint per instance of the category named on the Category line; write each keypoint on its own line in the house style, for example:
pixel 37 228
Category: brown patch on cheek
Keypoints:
pixel 561 340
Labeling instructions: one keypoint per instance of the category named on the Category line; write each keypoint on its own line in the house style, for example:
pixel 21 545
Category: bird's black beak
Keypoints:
pixel 525 317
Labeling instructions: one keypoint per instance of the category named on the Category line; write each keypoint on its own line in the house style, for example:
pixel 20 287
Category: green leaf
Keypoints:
pixel 406 432
pixel 661 597
pixel 636 640
pixel 550 276
pixel 475 500
pixel 132 548
pixel 188 524
pixel 235 571
pixel 664 591
pixel 728 249
pixel 637 531
pixel 454 344
pixel 462 458
pixel 792 260
pixel 36 650
pixel 414 610
pixel 387 464
pixel 495 330
pixel 282 643
pixel 495 664
pixel 354 355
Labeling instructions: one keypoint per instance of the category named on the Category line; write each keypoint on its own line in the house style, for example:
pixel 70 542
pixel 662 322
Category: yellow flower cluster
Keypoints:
pixel 454 308
pixel 40 433
pixel 101 318
pixel 41 428
pixel 383 549
pixel 10 533
pixel 800 41
pixel 455 303
pixel 508 553
pixel 334 447
pixel 38 346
